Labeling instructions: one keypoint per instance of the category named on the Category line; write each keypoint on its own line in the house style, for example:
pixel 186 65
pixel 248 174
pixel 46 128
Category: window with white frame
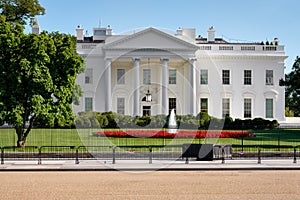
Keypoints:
pixel 88 104
pixel 147 76
pixel 88 76
pixel 204 105
pixel 269 77
pixel 269 108
pixel 225 107
pixel 121 106
pixel 247 108
pixel 203 76
pixel 247 77
pixel 172 76
pixel 121 76
pixel 226 77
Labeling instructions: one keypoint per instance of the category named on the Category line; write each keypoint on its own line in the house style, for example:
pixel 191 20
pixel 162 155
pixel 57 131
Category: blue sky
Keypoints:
pixel 245 20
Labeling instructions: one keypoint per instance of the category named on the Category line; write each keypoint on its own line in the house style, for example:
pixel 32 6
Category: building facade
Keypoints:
pixel 150 72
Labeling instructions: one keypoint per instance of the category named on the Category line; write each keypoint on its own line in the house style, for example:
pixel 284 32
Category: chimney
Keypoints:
pixel 35 27
pixel 276 41
pixel 179 31
pixel 189 33
pixel 108 30
pixel 211 35
pixel 79 33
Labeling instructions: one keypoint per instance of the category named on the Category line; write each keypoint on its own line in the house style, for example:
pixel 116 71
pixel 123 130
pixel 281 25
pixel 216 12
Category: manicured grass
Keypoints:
pixel 85 137
pixel 42 137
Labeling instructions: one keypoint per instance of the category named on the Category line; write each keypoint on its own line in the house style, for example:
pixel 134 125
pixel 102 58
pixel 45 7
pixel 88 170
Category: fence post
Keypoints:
pixel 40 156
pixel 77 157
pixel 259 156
pixel 295 155
pixel 114 155
pixel 242 143
pixel 2 156
pixel 150 155
pixel 187 160
pixel 223 155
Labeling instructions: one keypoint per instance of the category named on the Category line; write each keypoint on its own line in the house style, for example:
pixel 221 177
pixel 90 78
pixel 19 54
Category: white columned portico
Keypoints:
pixel 192 86
pixel 164 87
pixel 136 85
pixel 108 85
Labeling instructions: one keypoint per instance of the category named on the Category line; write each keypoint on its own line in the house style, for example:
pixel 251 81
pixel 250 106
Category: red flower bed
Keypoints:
pixel 150 133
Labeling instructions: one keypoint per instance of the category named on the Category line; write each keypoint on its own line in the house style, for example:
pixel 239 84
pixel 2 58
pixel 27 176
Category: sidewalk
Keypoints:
pixel 143 165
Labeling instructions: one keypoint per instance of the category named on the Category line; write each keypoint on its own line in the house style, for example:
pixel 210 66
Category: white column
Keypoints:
pixel 192 86
pixel 136 85
pixel 164 87
pixel 108 85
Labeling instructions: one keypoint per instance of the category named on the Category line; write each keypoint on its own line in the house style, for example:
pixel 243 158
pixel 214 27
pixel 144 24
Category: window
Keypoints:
pixel 203 76
pixel 269 77
pixel 225 107
pixel 89 76
pixel 247 108
pixel 120 76
pixel 146 110
pixel 172 104
pixel 147 76
pixel 172 76
pixel 226 77
pixel 88 104
pixel 121 106
pixel 247 77
pixel 204 105
pixel 269 108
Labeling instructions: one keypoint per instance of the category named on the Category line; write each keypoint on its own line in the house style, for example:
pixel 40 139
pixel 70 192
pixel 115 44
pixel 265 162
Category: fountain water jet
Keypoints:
pixel 172 128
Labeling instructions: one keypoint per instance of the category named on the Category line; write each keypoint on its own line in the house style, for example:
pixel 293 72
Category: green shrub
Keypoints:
pixel 201 121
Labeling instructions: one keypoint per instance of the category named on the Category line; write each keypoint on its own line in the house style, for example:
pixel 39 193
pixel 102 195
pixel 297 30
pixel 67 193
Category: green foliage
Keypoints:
pixel 142 121
pixel 204 119
pixel 20 11
pixel 110 120
pixel 292 88
pixel 257 123
pixel 37 78
pixel 289 113
pixel 87 120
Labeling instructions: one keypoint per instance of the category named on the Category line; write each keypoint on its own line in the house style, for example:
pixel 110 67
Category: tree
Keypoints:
pixel 288 112
pixel 37 78
pixel 19 11
pixel 292 88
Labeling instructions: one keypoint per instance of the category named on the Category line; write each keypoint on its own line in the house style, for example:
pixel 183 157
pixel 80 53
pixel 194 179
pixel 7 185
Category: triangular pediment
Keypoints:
pixel 151 38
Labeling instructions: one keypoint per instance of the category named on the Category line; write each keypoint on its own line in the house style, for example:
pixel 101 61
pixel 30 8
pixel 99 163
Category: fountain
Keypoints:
pixel 172 128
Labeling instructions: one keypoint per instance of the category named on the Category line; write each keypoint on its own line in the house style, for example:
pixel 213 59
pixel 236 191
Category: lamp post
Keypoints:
pixel 148 96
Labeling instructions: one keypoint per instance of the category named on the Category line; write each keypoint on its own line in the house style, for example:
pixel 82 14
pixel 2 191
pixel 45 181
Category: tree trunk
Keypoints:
pixel 23 132
pixel 21 137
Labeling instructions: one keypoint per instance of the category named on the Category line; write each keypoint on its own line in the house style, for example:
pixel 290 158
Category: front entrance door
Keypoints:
pixel 146 110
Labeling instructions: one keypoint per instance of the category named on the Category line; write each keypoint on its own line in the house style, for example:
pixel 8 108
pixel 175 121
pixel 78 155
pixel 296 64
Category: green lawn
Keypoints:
pixel 84 137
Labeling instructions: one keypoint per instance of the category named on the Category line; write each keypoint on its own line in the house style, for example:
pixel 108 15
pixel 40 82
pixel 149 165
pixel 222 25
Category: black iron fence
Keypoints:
pixel 142 152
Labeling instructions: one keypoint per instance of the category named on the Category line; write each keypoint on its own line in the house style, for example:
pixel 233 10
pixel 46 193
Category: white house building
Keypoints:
pixel 150 72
